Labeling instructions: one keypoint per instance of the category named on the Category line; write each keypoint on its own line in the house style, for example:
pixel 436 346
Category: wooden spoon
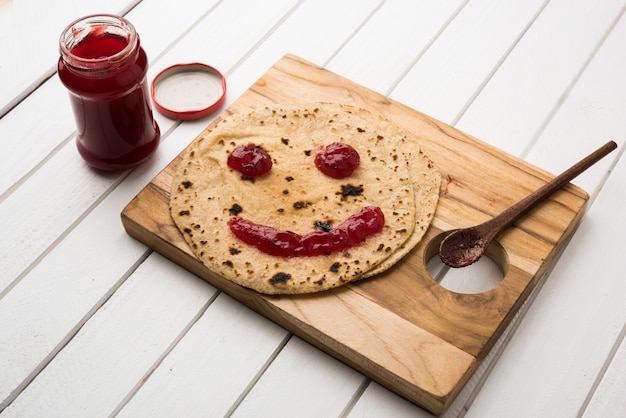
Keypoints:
pixel 463 247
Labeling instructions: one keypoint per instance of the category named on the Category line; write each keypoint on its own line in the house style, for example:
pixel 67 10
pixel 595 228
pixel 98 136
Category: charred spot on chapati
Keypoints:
pixel 280 278
pixel 289 178
pixel 184 213
pixel 350 190
pixel 233 251
pixel 228 263
pixel 301 204
pixel 335 267
pixel 187 184
pixel 235 209
pixel 323 226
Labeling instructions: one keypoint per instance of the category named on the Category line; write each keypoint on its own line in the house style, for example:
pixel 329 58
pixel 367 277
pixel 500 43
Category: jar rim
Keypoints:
pixel 76 32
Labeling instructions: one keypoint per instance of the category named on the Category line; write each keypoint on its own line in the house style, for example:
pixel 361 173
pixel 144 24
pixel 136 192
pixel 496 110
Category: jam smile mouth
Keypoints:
pixel 353 231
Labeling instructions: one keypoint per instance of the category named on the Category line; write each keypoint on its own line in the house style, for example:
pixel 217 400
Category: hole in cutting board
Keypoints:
pixel 486 274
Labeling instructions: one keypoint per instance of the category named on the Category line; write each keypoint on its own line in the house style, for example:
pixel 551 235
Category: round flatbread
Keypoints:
pixel 296 196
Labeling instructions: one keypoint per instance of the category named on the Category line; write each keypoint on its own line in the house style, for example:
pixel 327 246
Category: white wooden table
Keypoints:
pixel 93 323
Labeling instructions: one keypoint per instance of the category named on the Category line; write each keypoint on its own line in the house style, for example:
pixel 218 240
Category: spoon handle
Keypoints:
pixel 510 214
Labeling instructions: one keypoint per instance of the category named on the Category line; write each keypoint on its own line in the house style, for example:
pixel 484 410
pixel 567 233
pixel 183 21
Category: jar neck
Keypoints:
pixel 97 45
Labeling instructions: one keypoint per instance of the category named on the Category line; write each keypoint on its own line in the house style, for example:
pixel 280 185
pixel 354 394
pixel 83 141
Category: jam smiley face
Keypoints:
pixel 298 199
pixel 336 160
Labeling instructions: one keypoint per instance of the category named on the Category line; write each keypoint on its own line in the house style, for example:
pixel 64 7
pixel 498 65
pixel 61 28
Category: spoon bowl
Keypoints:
pixel 463 247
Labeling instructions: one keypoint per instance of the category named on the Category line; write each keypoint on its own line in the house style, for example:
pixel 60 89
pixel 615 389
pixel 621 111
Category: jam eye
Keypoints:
pixel 337 160
pixel 250 160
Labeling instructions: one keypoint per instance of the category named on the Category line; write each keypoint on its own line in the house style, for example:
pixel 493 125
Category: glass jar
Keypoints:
pixel 104 68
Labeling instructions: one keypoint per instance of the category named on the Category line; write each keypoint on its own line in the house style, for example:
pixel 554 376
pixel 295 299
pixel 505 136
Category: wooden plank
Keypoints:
pixel 470 324
pixel 378 401
pixel 591 114
pixel 45 309
pixel 608 398
pixel 299 370
pixel 543 64
pixel 104 348
pixel 300 35
pixel 463 58
pixel 209 369
pixel 367 57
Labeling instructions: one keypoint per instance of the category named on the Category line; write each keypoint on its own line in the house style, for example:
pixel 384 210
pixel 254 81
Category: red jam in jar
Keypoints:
pixel 104 68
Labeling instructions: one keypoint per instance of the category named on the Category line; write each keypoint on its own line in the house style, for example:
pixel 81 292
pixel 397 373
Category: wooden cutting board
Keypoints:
pixel 401 328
